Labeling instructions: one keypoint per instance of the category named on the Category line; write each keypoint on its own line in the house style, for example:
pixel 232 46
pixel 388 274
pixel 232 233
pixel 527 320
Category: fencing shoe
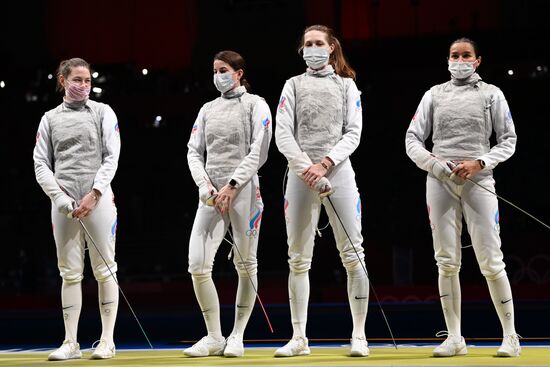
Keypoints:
pixel 104 350
pixel 452 346
pixel 67 350
pixel 234 346
pixel 359 347
pixel 510 346
pixel 207 346
pixel 297 346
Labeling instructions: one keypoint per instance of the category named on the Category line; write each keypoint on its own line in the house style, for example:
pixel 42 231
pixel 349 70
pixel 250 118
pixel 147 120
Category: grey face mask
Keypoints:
pixel 316 57
pixel 224 81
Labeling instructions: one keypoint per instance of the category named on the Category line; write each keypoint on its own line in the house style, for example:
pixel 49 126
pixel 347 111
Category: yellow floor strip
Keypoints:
pixel 405 356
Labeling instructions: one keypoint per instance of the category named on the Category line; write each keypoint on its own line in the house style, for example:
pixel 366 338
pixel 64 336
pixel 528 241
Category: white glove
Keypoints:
pixel 207 193
pixel 440 170
pixel 299 164
pixel 64 204
pixel 443 172
pixel 324 187
pixel 454 177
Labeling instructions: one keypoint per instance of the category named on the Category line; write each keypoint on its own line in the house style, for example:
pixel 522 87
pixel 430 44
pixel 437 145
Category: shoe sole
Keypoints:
pixel 461 352
pixel 233 355
pixel 507 355
pixel 358 354
pixel 302 353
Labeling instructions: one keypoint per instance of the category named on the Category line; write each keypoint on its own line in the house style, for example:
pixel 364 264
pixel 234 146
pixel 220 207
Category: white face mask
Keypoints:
pixel 224 81
pixel 316 57
pixel 461 70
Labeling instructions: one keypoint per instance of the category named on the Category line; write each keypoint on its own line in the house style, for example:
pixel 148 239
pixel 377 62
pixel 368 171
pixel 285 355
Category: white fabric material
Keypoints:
pixel 481 109
pixel 358 296
pixel 501 294
pixel 108 307
pixel 447 203
pixel 298 291
pixel 71 302
pixel 320 115
pixel 300 163
pixel 234 131
pixel 244 304
pixel 70 240
pixel 77 149
pixel 450 296
pixel 209 229
pixel 302 214
pixel 207 297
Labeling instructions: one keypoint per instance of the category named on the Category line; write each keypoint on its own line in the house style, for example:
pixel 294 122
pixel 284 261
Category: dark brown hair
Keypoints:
pixel 65 68
pixel 236 61
pixel 337 58
pixel 466 40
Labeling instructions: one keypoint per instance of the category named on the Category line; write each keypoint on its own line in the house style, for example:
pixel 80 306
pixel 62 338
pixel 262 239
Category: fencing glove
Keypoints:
pixel 207 193
pixel 454 177
pixel 299 164
pixel 64 204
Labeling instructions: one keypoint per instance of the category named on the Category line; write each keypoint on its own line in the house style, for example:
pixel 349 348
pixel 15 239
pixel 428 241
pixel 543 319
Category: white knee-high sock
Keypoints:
pixel 501 294
pixel 71 301
pixel 207 296
pixel 108 307
pixel 358 295
pixel 450 296
pixel 298 290
pixel 244 304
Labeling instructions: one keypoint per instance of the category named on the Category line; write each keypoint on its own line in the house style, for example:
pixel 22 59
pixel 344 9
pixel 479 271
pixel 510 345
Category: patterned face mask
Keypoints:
pixel 316 57
pixel 224 81
pixel 76 91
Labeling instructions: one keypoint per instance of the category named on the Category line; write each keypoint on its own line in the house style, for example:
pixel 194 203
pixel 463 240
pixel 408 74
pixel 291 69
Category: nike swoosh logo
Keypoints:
pixel 445 295
pixel 508 300
pixel 107 303
pixel 361 297
pixel 67 307
pixel 239 306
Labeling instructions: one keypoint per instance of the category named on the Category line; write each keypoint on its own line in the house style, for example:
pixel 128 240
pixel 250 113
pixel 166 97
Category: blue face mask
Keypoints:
pixel 316 57
pixel 224 81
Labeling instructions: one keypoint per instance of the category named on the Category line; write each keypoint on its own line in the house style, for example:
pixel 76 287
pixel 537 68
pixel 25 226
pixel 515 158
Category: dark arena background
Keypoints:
pixel 154 68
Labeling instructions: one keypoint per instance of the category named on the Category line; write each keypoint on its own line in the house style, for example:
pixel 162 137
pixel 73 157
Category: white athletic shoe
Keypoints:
pixel 234 346
pixel 207 346
pixel 67 350
pixel 510 346
pixel 103 350
pixel 297 346
pixel 452 346
pixel 359 347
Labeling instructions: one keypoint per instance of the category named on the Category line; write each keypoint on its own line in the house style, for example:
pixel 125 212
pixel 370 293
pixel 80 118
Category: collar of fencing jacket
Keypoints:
pixel 327 70
pixel 472 79
pixel 234 93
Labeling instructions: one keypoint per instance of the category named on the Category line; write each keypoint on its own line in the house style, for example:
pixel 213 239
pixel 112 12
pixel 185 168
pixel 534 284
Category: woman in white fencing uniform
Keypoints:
pixel 461 115
pixel 319 122
pixel 234 131
pixel 75 160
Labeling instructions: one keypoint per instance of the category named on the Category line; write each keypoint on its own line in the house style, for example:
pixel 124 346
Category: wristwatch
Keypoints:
pixel 233 183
